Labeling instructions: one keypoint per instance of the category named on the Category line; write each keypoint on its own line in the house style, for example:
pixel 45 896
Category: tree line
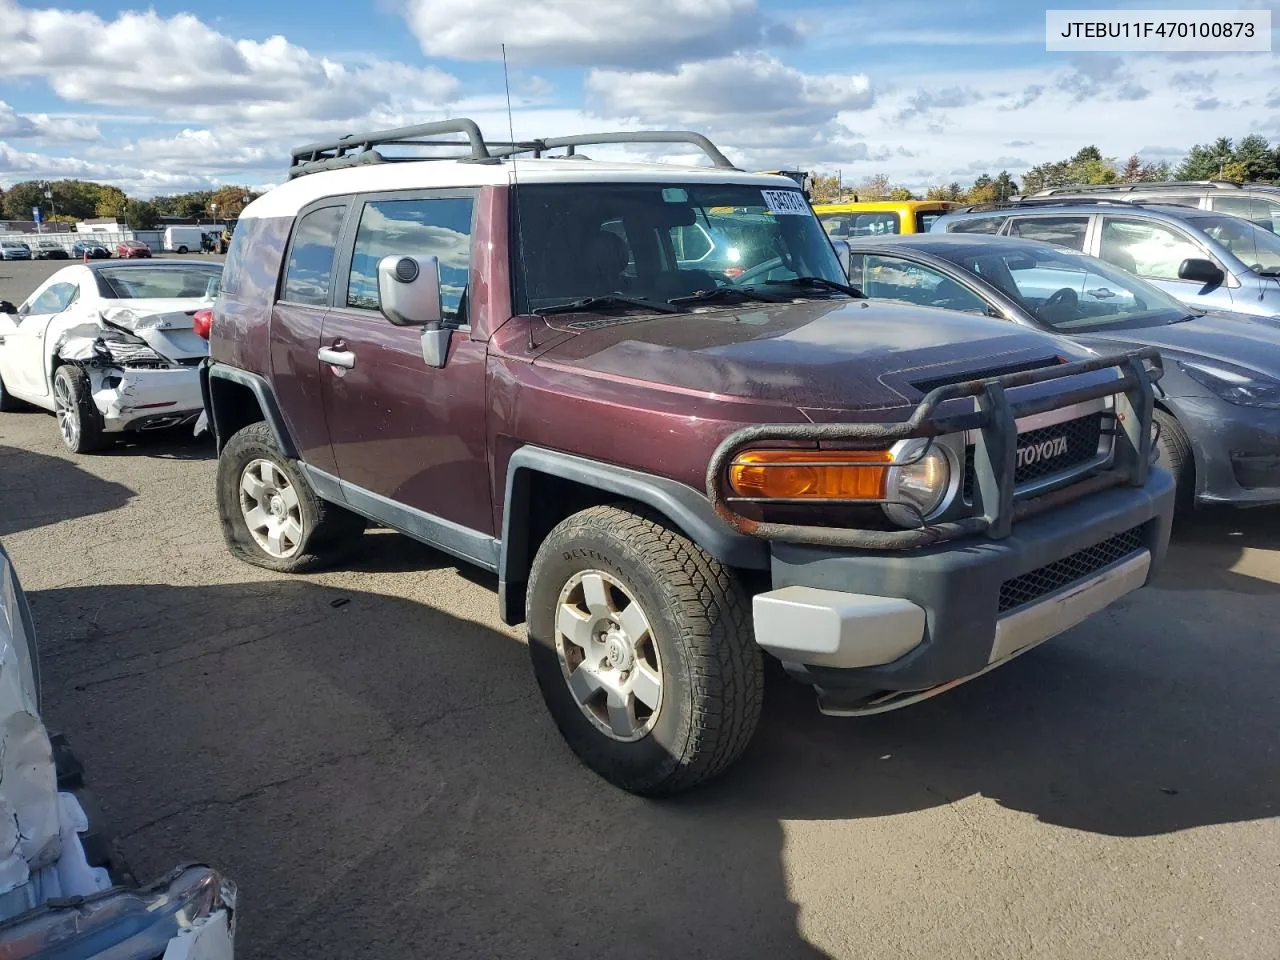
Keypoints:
pixel 71 200
pixel 1252 159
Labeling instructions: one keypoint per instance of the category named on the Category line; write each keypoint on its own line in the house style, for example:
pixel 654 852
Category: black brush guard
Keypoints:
pixel 995 452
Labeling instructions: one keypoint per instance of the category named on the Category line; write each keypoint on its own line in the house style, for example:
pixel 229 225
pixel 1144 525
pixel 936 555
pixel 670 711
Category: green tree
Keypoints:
pixel 901 193
pixel 111 201
pixel 936 192
pixel 194 204
pixel 141 215
pixel 21 197
pixel 229 202
pixel 1255 155
pixel 824 187
pixel 1005 186
pixel 955 191
pixel 1233 170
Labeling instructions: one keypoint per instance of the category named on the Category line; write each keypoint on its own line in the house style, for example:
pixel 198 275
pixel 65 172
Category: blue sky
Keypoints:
pixel 178 96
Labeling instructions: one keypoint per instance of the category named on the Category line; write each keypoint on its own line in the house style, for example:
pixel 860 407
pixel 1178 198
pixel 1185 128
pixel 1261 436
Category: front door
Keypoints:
pixel 400 429
pixel 1154 251
pixel 22 354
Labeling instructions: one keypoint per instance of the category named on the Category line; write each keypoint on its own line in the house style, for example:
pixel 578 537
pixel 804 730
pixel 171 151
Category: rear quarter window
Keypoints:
pixel 977 225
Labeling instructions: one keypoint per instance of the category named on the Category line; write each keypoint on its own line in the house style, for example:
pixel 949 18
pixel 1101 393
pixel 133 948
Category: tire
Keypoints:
pixel 79 421
pixel 693 632
pixel 1175 456
pixel 182 249
pixel 300 531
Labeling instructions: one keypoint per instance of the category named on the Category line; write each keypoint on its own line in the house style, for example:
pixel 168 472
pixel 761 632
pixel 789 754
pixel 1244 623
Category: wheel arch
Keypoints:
pixel 543 487
pixel 1198 454
pixel 234 399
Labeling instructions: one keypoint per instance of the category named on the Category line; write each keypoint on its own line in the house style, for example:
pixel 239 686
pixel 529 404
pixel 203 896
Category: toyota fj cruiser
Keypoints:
pixel 672 461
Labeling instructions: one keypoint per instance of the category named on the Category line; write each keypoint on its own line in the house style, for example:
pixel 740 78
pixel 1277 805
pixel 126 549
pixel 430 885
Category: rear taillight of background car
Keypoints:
pixel 202 322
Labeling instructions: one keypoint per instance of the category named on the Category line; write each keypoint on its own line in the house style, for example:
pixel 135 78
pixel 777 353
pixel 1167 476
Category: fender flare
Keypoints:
pixel 685 507
pixel 211 370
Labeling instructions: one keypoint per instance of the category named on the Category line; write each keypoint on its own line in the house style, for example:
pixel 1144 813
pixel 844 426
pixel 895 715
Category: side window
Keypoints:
pixel 55 299
pixel 310 266
pixel 422 227
pixel 896 279
pixel 1062 231
pixel 1265 213
pixel 838 225
pixel 1145 248
pixel 977 225
pixel 925 219
pixel 874 224
pixel 692 243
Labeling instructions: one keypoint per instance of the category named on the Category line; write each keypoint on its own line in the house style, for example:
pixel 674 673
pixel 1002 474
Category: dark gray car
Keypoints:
pixel 1218 405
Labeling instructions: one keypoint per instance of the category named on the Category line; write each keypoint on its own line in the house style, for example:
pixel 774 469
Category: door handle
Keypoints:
pixel 336 358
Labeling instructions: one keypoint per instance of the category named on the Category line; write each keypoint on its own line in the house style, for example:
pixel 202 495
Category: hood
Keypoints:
pixel 165 325
pixel 1235 338
pixel 818 355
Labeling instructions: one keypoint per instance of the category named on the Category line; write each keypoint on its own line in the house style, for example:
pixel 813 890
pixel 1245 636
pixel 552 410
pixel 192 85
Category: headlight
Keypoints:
pixel 918 484
pixel 914 480
pixel 1235 384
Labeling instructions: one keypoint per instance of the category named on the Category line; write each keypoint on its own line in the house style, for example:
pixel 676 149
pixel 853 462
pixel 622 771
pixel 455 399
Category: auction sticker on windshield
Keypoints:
pixel 785 202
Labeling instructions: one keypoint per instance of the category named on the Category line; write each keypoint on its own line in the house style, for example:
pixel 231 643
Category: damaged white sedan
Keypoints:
pixel 65 892
pixel 110 347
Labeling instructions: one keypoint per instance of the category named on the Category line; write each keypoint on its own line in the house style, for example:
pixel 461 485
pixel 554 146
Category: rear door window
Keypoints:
pixel 1265 213
pixel 310 267
pixel 1060 231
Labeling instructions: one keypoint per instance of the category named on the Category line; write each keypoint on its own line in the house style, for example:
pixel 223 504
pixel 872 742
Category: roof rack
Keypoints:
pixel 359 149
pixel 1137 187
pixel 1015 203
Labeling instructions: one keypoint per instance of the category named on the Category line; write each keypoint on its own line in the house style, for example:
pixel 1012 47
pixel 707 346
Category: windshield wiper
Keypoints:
pixel 818 282
pixel 608 300
pixel 717 293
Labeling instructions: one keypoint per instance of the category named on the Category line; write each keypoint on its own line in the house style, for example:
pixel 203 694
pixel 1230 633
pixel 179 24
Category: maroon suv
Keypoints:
pixel 645 397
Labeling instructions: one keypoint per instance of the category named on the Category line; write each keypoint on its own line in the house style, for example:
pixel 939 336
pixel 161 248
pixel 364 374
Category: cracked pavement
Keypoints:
pixel 382 780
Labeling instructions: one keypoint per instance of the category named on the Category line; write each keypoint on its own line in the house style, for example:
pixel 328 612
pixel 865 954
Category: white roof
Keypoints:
pixel 288 198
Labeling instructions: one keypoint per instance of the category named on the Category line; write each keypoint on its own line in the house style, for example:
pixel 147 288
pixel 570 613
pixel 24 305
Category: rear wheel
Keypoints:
pixel 1174 448
pixel 182 249
pixel 641 644
pixel 270 515
pixel 79 421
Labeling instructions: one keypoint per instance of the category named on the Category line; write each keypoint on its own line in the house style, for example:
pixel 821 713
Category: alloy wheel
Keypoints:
pixel 67 410
pixel 608 655
pixel 271 509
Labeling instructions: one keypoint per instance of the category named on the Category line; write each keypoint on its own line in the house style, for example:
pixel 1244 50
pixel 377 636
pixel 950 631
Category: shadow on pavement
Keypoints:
pixel 382 778
pixel 37 489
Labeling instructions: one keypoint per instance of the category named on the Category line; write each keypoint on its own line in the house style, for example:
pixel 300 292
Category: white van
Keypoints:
pixel 183 239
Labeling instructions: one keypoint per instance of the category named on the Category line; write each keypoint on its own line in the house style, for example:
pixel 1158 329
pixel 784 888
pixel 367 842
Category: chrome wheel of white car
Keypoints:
pixel 271 509
pixel 67 410
pixel 608 655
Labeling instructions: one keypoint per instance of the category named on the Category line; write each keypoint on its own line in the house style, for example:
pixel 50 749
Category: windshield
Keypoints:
pixel 159 282
pixel 1257 248
pixel 661 241
pixel 1068 291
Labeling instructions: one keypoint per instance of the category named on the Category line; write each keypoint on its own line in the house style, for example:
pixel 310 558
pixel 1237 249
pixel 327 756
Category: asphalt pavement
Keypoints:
pixel 366 752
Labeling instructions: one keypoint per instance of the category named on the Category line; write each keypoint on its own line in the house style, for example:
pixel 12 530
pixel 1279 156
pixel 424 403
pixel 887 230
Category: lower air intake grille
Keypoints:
pixel 1032 586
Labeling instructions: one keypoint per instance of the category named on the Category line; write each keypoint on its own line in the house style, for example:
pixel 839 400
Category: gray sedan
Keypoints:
pixel 1219 401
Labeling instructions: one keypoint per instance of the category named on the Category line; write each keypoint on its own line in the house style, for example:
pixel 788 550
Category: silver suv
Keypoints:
pixel 1257 202
pixel 1205 259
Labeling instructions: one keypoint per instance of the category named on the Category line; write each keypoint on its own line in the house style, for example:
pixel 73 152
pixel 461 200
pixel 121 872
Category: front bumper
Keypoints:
pixel 1237 450
pixel 148 399
pixel 913 623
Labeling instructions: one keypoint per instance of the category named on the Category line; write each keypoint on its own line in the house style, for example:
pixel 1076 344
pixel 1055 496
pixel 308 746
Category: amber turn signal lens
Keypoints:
pixel 811 474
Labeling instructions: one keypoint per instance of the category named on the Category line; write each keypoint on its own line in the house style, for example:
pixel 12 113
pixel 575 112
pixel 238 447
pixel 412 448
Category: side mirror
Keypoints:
pixel 1202 271
pixel 844 254
pixel 409 291
pixel 7 307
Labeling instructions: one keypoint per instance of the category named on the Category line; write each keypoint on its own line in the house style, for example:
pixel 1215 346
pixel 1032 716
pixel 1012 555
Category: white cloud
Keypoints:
pixel 590 32
pixel 772 112
pixel 41 126
pixel 139 181
pixel 184 69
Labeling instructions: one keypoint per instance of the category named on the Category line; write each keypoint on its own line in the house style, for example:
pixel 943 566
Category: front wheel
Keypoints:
pixel 1174 454
pixel 642 646
pixel 270 516
pixel 182 249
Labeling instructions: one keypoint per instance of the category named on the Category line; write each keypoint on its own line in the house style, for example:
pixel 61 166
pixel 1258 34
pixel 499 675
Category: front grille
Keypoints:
pixel 1057 449
pixel 1032 586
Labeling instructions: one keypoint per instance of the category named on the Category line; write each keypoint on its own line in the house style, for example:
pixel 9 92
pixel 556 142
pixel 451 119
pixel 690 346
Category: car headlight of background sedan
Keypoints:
pixel 1234 384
